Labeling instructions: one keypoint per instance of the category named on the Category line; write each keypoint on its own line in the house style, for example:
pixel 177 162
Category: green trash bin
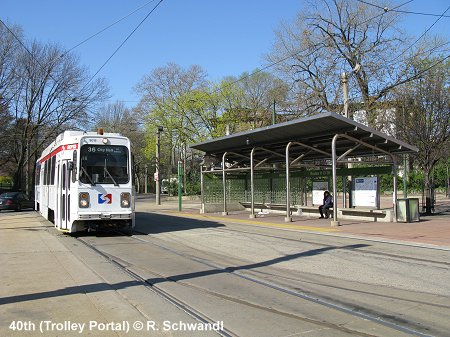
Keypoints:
pixel 408 210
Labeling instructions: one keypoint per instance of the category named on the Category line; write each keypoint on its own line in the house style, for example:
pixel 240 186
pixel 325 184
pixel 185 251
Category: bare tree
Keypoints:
pixel 9 49
pixel 334 36
pixel 5 135
pixel 53 93
pixel 115 117
pixel 423 115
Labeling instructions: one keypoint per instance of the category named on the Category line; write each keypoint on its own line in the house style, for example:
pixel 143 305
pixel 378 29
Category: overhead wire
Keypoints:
pixel 385 10
pixel 399 11
pixel 109 58
pixel 420 73
pixel 29 51
pixel 241 78
pixel 258 71
pixel 107 27
pixel 22 44
pixel 291 56
pixel 421 36
pixel 123 42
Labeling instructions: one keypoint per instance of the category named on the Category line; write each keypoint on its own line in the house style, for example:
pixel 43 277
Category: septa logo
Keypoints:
pixel 105 198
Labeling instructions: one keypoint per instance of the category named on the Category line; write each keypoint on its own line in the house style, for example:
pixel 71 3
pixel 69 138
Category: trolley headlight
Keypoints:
pixel 125 200
pixel 83 200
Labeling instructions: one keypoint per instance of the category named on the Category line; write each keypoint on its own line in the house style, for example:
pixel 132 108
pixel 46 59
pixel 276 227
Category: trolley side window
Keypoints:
pixel 52 173
pixel 104 164
pixel 38 174
pixel 46 173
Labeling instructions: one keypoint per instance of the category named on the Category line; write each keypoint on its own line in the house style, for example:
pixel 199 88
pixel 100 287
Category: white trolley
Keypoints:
pixel 84 182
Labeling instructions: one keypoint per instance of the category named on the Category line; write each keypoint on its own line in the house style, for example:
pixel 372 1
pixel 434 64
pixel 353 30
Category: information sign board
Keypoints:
pixel 318 188
pixel 365 192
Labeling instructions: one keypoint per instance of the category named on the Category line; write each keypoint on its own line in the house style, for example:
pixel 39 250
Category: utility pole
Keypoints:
pixel 344 80
pixel 274 114
pixel 157 175
pixel 180 183
pixel 448 182
pixel 146 180
pixel 184 168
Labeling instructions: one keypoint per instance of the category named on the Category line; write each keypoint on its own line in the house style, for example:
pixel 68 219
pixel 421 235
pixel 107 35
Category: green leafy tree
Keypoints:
pixel 180 101
pixel 248 101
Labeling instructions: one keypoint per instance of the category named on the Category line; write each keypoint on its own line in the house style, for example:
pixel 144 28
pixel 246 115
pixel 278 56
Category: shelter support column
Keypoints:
pixel 288 217
pixel 252 186
pixel 344 191
pixel 395 193
pixel 335 221
pixel 224 183
pixel 202 191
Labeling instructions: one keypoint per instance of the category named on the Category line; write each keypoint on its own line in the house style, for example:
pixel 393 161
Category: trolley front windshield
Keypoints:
pixel 104 164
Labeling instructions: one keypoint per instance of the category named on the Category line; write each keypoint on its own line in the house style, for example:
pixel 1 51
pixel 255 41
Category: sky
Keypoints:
pixel 226 38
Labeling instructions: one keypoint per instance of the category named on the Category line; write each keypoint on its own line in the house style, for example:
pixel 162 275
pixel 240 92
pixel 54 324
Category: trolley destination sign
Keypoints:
pixel 105 149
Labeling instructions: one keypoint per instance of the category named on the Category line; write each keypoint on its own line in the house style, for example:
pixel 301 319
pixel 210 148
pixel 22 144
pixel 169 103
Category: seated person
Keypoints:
pixel 327 203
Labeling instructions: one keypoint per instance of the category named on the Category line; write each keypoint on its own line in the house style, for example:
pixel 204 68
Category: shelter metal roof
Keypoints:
pixel 316 131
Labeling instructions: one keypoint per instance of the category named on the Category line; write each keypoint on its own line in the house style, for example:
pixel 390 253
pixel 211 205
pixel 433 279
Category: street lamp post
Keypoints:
pixel 157 176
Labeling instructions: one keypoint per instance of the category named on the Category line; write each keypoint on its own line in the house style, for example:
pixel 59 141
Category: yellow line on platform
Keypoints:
pixel 251 222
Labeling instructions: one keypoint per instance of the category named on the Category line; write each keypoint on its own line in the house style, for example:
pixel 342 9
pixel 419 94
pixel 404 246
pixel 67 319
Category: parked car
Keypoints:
pixel 15 201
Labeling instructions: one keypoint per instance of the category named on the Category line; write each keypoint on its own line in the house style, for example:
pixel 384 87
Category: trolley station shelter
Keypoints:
pixel 324 142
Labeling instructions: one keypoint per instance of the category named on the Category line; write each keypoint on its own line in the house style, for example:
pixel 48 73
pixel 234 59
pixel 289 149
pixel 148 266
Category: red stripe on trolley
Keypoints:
pixel 68 147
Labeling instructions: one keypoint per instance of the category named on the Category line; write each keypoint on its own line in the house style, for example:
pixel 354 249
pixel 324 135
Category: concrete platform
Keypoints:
pixel 431 230
pixel 51 283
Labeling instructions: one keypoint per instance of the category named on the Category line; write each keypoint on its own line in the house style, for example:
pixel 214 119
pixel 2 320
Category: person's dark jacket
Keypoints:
pixel 328 201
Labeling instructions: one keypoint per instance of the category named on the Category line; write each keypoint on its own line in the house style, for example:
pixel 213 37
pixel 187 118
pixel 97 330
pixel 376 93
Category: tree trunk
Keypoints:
pixel 18 177
pixel 428 192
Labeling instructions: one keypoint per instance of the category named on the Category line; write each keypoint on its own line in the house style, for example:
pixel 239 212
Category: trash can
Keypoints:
pixel 408 210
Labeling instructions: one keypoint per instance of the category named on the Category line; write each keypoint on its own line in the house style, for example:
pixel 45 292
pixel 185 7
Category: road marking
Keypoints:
pixel 254 222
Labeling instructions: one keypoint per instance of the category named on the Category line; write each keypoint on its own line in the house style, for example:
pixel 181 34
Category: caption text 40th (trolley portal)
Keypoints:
pixel 120 326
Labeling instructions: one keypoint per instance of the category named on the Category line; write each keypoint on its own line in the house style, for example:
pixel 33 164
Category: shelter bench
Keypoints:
pixel 343 213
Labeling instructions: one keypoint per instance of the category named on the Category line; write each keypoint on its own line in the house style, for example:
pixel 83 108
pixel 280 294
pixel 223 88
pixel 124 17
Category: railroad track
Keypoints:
pixel 364 251
pixel 200 317
pixel 214 266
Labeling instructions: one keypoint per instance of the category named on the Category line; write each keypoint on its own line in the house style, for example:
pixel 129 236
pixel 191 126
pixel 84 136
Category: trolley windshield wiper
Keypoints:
pixel 109 174
pixel 87 175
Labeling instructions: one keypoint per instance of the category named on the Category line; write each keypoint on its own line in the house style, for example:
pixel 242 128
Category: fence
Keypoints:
pixel 5 187
pixel 268 188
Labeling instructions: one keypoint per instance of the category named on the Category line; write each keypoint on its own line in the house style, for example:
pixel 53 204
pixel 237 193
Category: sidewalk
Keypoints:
pixel 431 230
pixel 53 282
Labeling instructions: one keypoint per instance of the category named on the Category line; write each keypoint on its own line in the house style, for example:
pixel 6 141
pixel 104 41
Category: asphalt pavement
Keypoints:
pixel 52 285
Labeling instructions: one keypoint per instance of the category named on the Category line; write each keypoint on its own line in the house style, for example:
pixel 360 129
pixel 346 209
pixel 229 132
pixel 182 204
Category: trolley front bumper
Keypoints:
pixel 106 216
